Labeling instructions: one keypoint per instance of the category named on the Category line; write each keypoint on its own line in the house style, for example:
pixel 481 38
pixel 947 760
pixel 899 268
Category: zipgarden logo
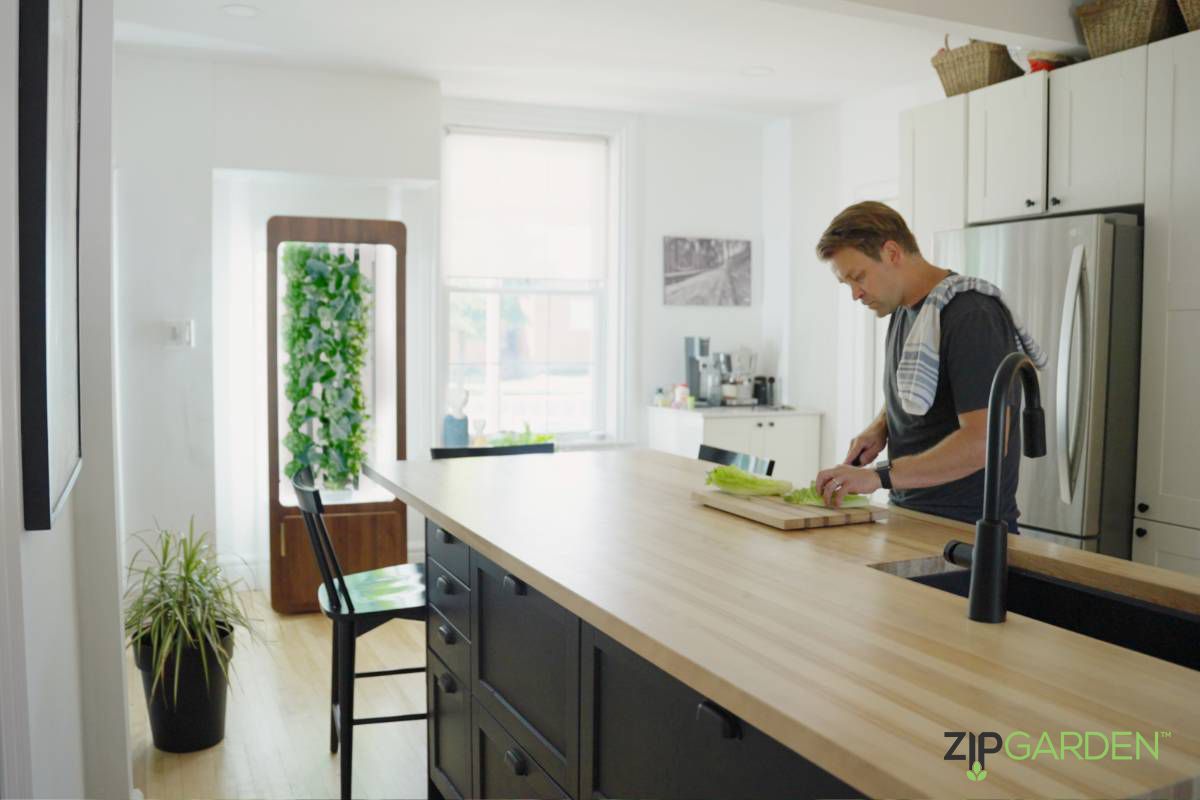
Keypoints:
pixel 1022 746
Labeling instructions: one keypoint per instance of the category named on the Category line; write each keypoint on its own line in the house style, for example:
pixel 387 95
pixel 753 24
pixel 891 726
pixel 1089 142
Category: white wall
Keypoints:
pixel 58 603
pixel 702 177
pixel 176 121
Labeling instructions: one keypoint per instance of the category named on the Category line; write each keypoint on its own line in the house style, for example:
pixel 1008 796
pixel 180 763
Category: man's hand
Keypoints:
pixel 868 444
pixel 836 482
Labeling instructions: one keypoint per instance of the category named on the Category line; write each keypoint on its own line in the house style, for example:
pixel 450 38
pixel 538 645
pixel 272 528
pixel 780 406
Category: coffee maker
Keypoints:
pixel 694 349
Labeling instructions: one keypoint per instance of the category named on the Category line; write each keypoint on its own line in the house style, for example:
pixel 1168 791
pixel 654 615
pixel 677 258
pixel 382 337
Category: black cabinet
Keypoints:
pixel 525 667
pixel 502 767
pixel 448 729
pixel 449 643
pixel 646 734
pixel 448 595
pixel 449 551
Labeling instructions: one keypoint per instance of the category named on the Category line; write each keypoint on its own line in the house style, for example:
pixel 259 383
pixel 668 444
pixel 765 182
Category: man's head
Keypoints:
pixel 870 249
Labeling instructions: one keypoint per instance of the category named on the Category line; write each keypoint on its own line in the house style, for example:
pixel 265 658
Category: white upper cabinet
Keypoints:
pixel 1006 150
pixel 933 169
pixel 1169 430
pixel 1098 133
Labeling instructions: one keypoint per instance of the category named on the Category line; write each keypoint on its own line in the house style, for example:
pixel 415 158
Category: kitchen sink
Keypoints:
pixel 1151 629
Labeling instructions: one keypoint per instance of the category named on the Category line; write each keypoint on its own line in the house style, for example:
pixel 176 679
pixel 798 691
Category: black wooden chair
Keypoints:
pixel 504 450
pixel 752 464
pixel 357 603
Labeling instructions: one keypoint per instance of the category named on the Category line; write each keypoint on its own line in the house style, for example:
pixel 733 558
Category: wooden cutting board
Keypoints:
pixel 775 512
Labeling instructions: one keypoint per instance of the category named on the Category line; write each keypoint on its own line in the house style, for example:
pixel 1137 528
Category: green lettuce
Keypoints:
pixel 811 497
pixel 737 481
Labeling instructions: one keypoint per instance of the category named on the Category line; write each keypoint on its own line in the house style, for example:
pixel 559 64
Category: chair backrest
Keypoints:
pixel 504 450
pixel 312 509
pixel 752 464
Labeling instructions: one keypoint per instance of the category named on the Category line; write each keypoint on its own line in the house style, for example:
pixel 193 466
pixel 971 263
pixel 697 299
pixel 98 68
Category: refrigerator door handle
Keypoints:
pixel 1075 279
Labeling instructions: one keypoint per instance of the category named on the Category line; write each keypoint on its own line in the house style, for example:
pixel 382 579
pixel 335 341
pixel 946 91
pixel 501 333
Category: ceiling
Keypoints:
pixel 654 55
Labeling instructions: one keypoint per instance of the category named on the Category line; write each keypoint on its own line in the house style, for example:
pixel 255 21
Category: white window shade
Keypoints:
pixel 524 208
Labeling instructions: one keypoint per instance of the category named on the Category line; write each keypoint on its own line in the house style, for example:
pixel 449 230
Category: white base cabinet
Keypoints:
pixel 792 439
pixel 1166 546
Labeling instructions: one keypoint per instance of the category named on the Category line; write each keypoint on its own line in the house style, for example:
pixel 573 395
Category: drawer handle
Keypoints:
pixel 447 683
pixel 443 585
pixel 445 536
pixel 1030 204
pixel 770 424
pixel 1054 201
pixel 709 712
pixel 514 585
pixel 1140 532
pixel 516 763
pixel 447 634
pixel 1143 507
pixel 759 424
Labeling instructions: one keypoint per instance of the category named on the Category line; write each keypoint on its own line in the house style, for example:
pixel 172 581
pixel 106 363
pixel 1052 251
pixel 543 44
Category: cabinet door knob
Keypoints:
pixel 1029 203
pixel 447 633
pixel 443 585
pixel 1054 201
pixel 445 536
pixel 516 763
pixel 709 712
pixel 770 424
pixel 514 585
pixel 759 424
pixel 447 683
pixel 1143 507
pixel 1140 532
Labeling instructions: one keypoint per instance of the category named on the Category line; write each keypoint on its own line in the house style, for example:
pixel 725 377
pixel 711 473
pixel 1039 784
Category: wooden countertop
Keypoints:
pixel 860 671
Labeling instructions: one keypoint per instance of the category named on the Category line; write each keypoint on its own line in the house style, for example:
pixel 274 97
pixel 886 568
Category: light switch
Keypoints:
pixel 181 333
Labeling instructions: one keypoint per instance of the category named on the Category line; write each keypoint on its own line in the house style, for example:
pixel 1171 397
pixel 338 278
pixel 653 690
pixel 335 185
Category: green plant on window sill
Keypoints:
pixel 181 604
pixel 325 330
pixel 508 439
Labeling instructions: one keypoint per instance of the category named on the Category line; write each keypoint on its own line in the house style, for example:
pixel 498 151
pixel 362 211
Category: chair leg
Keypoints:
pixel 346 702
pixel 333 692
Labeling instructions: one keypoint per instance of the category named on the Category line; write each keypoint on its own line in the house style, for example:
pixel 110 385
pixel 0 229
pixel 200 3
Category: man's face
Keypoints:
pixel 874 283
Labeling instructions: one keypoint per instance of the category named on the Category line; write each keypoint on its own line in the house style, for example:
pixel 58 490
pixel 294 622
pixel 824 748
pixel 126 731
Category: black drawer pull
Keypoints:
pixel 1143 507
pixel 1140 532
pixel 443 585
pixel 516 762
pixel 445 536
pixel 1030 204
pixel 447 633
pixel 709 712
pixel 447 683
pixel 514 585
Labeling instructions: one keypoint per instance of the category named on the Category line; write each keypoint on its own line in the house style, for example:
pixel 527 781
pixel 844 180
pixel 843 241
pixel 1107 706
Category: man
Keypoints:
pixel 936 457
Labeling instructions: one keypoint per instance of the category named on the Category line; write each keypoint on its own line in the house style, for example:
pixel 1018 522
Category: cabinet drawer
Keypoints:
pixel 448 595
pixel 450 644
pixel 449 729
pixel 503 769
pixel 646 734
pixel 449 551
pixel 525 666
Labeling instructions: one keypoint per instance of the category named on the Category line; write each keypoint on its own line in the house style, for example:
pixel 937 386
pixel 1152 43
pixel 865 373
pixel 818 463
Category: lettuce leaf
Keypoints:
pixel 737 481
pixel 811 497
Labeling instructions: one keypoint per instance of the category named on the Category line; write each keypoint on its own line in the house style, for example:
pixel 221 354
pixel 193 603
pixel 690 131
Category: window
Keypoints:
pixel 526 279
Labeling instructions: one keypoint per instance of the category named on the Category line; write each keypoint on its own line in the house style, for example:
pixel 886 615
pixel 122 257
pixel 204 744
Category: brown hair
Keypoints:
pixel 865 227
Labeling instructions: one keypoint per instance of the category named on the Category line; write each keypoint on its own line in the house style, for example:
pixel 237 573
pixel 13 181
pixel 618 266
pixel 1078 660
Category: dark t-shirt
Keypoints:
pixel 977 333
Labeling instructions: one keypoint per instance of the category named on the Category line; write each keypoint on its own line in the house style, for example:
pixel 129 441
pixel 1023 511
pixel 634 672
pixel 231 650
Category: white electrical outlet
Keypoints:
pixel 181 333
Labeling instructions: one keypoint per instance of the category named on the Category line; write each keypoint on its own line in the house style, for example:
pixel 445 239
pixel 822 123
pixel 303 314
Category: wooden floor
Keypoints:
pixel 277 721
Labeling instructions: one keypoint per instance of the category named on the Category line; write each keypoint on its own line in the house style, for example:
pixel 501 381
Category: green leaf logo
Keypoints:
pixel 977 772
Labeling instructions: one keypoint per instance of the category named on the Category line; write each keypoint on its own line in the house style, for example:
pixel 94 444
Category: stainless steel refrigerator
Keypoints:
pixel 1077 283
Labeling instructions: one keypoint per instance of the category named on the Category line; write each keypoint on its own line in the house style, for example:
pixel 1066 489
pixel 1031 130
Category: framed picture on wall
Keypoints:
pixel 48 242
pixel 706 272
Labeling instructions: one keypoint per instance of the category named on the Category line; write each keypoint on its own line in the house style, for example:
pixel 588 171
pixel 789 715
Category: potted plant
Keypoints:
pixel 180 616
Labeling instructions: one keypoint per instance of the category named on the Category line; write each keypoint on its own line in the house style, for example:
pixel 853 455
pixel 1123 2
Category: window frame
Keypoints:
pixel 612 357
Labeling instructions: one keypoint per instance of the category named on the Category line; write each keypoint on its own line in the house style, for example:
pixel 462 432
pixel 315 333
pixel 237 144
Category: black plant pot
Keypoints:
pixel 195 718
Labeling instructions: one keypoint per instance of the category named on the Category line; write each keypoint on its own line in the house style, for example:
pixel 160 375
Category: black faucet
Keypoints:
pixel 989 557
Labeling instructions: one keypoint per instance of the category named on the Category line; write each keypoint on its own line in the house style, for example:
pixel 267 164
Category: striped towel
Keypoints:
pixel 917 373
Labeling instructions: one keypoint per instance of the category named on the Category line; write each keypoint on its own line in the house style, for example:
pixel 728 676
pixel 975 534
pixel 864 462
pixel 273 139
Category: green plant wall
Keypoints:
pixel 325 327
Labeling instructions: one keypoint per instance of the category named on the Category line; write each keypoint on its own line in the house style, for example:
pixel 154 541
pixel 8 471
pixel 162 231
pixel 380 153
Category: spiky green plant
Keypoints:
pixel 178 599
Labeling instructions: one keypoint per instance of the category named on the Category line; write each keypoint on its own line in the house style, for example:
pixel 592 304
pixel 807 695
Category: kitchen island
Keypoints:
pixel 859 673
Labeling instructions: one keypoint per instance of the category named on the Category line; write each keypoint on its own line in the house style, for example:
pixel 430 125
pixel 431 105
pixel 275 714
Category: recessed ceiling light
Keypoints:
pixel 758 72
pixel 240 10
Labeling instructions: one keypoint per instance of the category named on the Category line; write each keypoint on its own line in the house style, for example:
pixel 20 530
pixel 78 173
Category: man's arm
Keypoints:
pixel 960 454
pixel 870 443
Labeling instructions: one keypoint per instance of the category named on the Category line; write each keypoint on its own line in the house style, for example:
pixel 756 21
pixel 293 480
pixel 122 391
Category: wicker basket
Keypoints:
pixel 1191 13
pixel 1110 26
pixel 974 66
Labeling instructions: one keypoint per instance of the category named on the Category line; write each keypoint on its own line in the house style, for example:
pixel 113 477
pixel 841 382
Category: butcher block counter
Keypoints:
pixel 859 671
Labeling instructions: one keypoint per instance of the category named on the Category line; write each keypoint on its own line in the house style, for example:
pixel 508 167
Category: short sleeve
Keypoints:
pixel 977 334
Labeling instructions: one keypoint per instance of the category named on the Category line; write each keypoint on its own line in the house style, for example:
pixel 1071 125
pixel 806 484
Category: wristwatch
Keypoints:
pixel 884 470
